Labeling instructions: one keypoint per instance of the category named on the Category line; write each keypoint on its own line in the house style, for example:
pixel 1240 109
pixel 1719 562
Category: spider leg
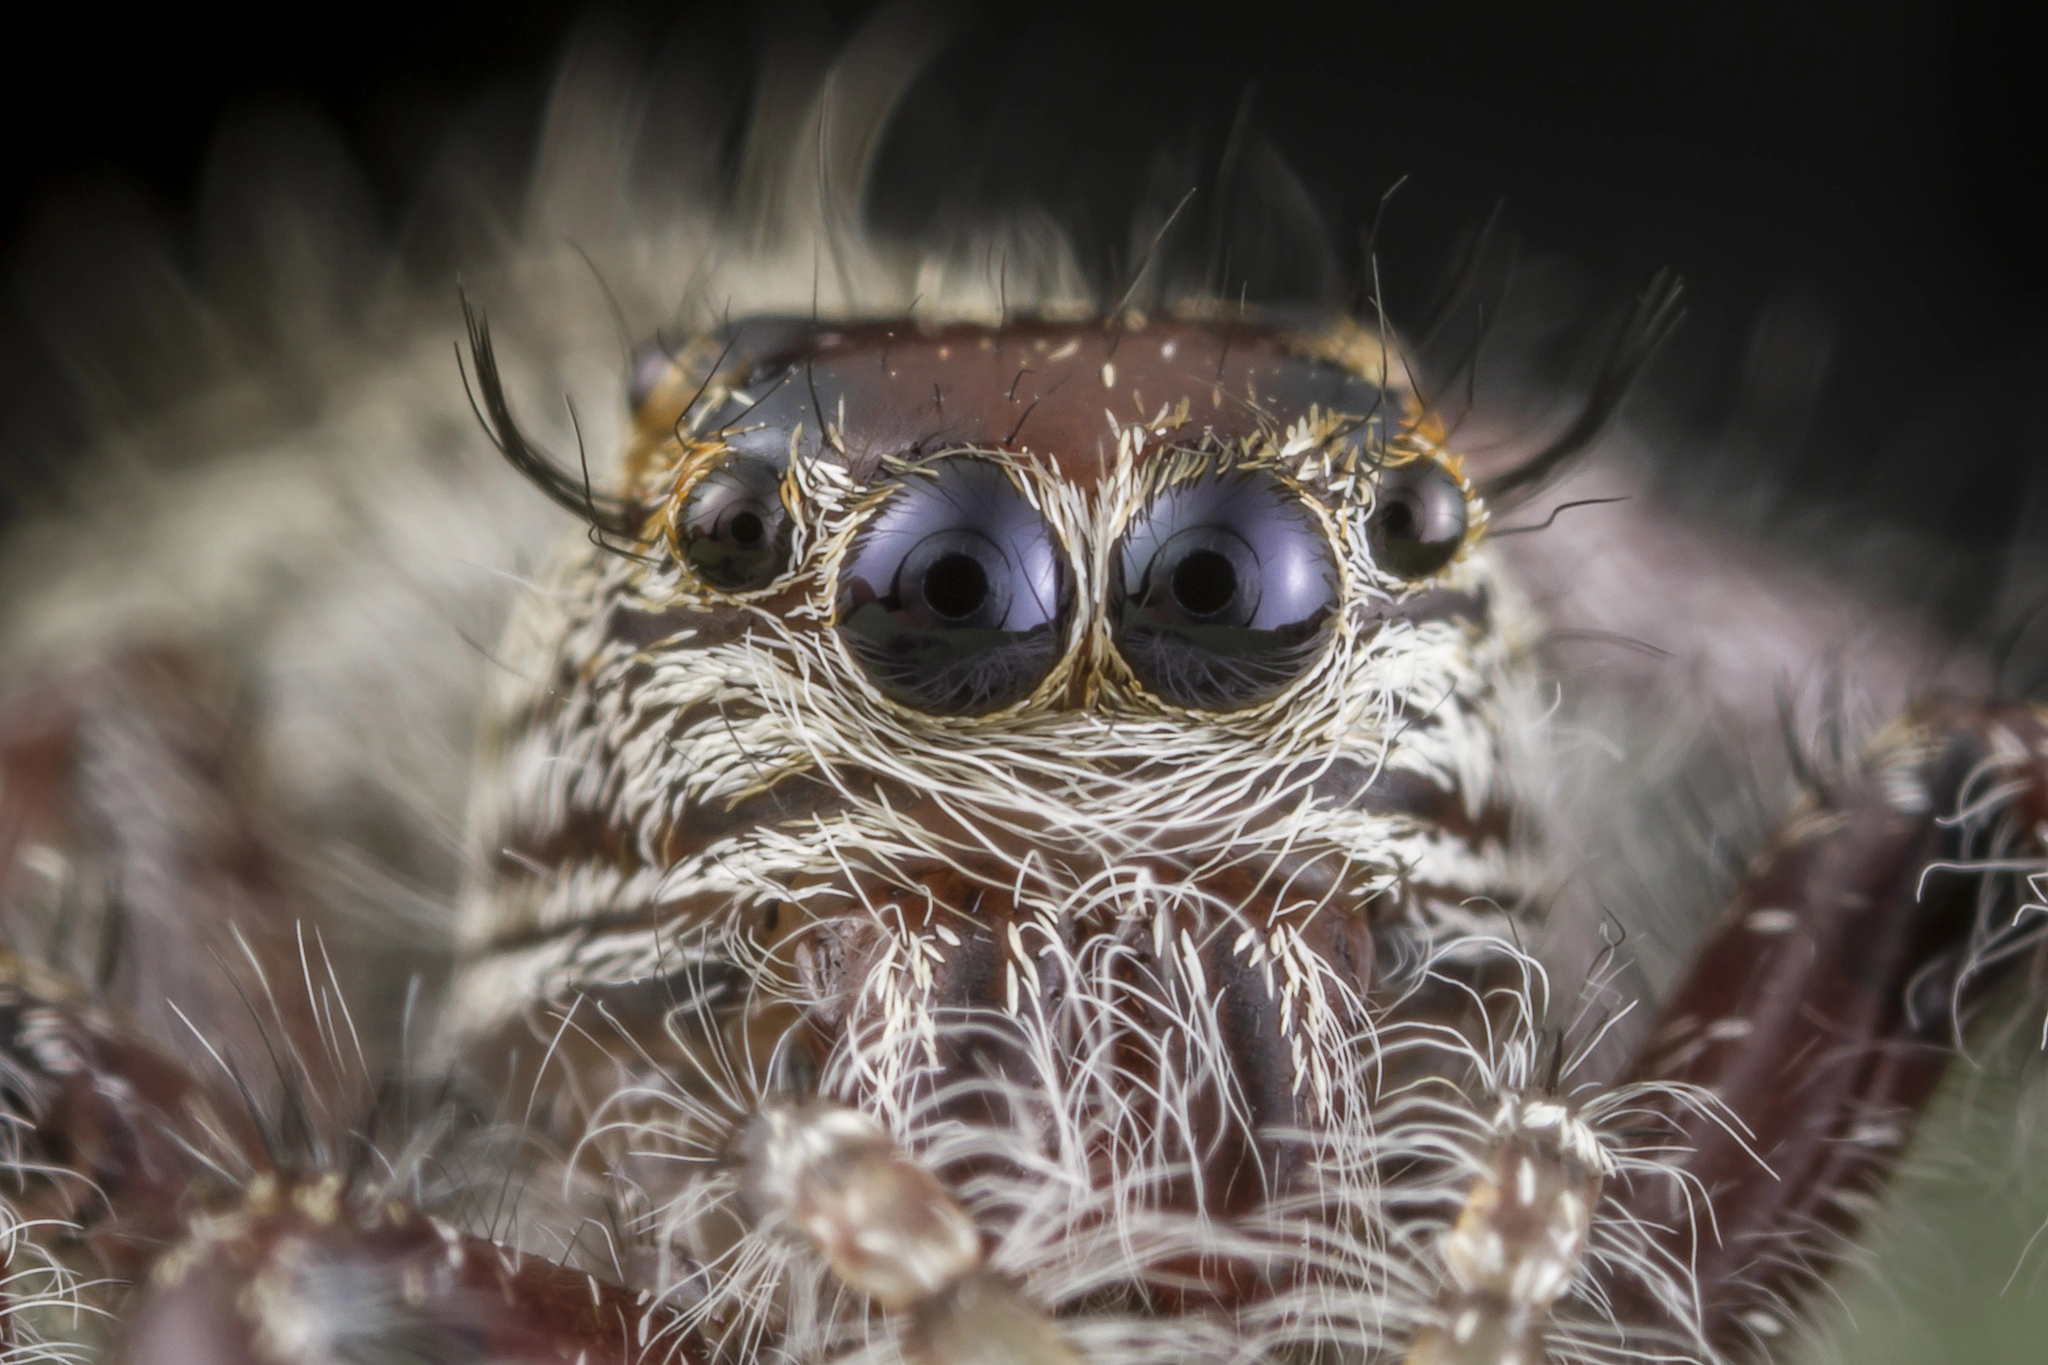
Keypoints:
pixel 193 1180
pixel 114 1147
pixel 135 859
pixel 106 1138
pixel 1823 1010
pixel 301 1271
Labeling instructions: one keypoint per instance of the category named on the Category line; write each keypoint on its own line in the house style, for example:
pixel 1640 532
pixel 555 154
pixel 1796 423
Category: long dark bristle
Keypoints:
pixel 1656 314
pixel 607 516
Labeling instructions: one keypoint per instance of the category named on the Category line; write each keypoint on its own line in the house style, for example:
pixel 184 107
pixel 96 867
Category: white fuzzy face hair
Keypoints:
pixel 1065 771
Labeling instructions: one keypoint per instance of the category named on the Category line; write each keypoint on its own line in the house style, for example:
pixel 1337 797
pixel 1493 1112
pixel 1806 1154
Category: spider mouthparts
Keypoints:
pixel 1204 1006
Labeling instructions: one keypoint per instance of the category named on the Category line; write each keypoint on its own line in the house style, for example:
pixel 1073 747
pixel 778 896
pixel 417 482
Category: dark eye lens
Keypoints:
pixel 955 597
pixel 733 530
pixel 1418 519
pixel 1223 591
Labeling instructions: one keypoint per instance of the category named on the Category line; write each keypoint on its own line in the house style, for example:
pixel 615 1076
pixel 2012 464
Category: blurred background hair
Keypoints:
pixel 1849 188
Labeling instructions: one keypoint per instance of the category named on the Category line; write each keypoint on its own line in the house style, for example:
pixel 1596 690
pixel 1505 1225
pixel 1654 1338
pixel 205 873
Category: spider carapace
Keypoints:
pixel 1018 843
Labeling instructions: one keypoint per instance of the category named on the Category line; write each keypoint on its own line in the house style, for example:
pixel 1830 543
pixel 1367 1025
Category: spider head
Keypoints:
pixel 1043 714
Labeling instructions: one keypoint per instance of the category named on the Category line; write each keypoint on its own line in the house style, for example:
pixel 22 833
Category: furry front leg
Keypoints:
pixel 194 1166
pixel 131 1193
pixel 313 1270
pixel 1824 1009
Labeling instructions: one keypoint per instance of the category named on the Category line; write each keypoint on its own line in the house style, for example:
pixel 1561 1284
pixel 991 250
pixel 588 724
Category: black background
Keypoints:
pixel 1876 160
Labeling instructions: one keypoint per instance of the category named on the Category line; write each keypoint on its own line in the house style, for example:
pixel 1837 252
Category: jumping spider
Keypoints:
pixel 1014 834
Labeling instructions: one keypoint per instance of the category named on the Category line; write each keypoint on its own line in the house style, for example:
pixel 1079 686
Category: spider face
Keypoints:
pixel 1004 727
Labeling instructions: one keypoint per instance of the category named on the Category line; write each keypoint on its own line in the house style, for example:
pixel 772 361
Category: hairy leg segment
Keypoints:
pixel 231 1192
pixel 1826 1007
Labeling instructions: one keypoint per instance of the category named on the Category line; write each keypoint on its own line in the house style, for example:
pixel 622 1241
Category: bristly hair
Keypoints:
pixel 1657 312
pixel 609 518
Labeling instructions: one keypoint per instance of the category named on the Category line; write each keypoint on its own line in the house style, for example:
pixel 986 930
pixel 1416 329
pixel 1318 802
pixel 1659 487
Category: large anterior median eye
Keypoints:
pixel 733 530
pixel 1222 591
pixel 1418 519
pixel 955 597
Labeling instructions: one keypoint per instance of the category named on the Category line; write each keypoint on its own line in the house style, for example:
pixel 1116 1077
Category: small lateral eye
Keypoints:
pixel 955 596
pixel 1418 519
pixel 1222 591
pixel 733 530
